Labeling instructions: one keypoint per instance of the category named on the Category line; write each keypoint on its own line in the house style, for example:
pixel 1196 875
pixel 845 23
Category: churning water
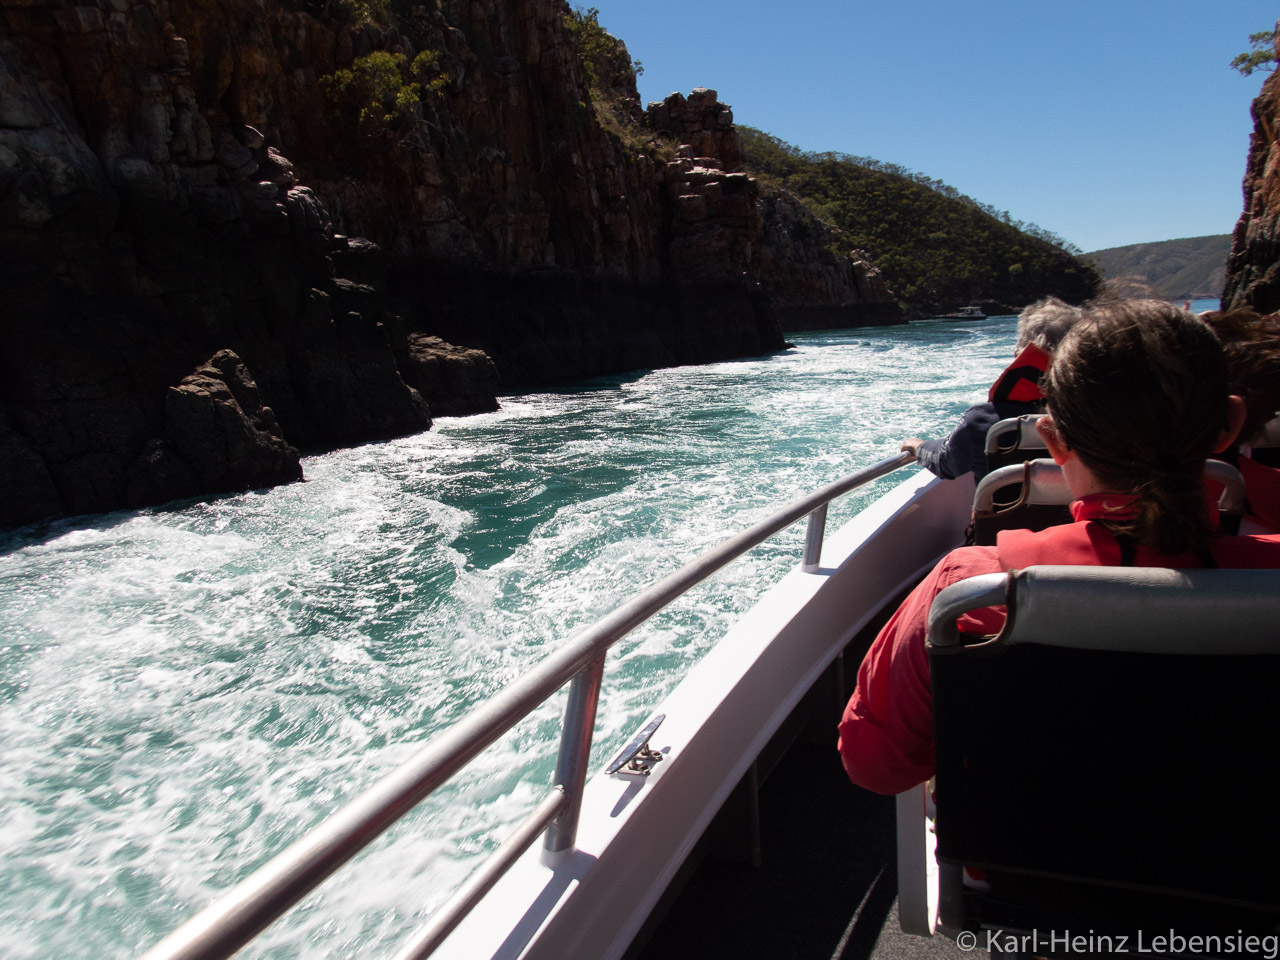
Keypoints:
pixel 185 690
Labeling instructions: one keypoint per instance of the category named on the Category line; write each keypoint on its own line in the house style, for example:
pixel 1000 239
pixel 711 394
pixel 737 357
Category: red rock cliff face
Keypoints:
pixel 179 198
pixel 505 168
pixel 179 313
pixel 1253 267
pixel 510 219
pixel 807 285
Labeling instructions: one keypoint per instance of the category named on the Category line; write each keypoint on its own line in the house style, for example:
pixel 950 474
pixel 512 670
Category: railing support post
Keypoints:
pixel 813 535
pixel 575 756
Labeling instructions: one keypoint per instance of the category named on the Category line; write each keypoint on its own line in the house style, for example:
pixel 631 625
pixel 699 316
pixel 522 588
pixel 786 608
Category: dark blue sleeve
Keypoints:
pixel 964 450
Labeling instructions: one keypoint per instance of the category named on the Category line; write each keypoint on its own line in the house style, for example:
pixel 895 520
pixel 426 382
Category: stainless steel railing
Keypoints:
pixel 252 905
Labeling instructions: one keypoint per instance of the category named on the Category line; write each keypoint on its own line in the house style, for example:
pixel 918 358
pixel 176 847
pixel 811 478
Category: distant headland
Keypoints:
pixel 1188 269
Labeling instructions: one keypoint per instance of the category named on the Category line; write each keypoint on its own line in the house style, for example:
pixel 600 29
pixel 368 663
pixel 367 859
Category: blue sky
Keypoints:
pixel 1108 122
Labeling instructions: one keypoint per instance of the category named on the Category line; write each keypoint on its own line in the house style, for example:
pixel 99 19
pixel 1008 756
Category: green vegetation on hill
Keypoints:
pixel 605 61
pixel 1169 269
pixel 385 90
pixel 937 248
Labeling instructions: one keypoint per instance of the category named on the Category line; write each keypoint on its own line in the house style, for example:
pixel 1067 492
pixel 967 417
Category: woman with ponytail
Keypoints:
pixel 1137 396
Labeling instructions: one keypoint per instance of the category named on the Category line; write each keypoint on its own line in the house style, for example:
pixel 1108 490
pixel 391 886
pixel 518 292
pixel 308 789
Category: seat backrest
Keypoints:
pixel 1119 734
pixel 1232 501
pixel 1041 481
pixel 1013 440
pixel 1034 495
pixel 1023 496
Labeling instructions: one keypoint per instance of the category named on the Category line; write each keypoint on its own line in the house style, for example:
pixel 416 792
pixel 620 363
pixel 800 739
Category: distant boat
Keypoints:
pixel 966 313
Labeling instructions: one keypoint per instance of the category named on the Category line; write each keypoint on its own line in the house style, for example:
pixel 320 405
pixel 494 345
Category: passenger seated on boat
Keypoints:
pixel 1016 392
pixel 1252 345
pixel 1137 401
pixel 1034 495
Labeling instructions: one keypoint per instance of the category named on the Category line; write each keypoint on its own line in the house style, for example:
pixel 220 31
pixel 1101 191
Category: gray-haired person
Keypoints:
pixel 1041 326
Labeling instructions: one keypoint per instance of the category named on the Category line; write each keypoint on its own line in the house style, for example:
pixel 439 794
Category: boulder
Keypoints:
pixel 218 438
pixel 454 381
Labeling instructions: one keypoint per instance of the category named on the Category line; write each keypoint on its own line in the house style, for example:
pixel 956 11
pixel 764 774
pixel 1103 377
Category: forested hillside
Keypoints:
pixel 937 248
pixel 1184 269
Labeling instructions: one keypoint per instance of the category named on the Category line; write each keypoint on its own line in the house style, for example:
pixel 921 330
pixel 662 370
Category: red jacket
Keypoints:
pixel 886 735
pixel 1262 484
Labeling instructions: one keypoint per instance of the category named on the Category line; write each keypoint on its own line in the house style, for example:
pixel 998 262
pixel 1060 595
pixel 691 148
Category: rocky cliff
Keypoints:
pixel 1253 266
pixel 807 271
pixel 230 230
pixel 813 277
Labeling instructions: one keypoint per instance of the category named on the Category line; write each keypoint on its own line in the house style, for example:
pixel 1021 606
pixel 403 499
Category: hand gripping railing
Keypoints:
pixel 252 905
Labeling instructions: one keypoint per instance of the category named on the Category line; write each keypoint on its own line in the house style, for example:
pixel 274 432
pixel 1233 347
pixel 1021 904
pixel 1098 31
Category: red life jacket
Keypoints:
pixel 1089 543
pixel 1020 381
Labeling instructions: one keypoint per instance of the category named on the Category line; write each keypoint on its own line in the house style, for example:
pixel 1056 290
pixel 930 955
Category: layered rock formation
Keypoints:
pixel 176 305
pixel 218 247
pixel 808 271
pixel 1253 267
pixel 812 286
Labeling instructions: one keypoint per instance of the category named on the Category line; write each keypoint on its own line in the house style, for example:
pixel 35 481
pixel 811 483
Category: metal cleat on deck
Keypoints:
pixel 636 759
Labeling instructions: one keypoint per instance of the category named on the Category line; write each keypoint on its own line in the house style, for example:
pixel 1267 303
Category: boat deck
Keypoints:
pixel 817 876
pixel 826 885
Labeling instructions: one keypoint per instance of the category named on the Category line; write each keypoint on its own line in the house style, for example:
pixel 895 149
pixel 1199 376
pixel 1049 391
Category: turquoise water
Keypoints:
pixel 185 690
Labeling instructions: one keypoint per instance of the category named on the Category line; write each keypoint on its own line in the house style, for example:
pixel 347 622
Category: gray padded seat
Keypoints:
pixel 1023 496
pixel 1108 759
pixel 1013 440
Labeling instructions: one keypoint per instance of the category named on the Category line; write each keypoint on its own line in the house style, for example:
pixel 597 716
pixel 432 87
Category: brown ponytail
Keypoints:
pixel 1138 389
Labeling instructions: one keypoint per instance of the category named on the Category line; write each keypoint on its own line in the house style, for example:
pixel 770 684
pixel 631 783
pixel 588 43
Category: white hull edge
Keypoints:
pixel 635 833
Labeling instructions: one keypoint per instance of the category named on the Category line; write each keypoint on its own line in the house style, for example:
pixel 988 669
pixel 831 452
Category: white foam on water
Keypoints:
pixel 185 690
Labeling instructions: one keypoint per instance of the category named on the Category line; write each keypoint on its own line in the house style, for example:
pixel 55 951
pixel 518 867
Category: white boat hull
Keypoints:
pixel 635 833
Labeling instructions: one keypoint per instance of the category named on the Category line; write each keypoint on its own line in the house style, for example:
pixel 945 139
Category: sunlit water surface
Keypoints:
pixel 185 690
